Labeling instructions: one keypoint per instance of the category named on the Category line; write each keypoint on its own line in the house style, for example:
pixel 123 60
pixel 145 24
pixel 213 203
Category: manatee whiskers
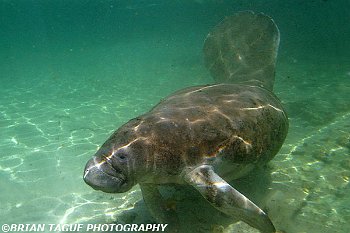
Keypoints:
pixel 205 134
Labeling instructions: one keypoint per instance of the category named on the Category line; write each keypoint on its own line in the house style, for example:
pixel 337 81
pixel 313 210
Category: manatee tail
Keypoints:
pixel 243 49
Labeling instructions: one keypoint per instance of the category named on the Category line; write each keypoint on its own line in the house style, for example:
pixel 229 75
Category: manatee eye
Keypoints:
pixel 122 157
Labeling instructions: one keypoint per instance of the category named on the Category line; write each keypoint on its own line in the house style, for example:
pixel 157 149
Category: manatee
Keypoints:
pixel 206 135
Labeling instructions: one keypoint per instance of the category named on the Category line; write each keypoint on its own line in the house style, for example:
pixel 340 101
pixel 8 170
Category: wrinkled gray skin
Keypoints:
pixel 202 135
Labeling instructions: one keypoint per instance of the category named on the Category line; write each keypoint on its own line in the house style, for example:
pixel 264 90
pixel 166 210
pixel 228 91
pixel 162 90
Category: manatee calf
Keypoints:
pixel 202 135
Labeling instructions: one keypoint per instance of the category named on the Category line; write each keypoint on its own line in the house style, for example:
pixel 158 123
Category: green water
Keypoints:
pixel 72 72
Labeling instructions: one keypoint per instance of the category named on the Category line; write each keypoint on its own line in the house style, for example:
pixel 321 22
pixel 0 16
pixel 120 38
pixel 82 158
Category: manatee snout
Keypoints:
pixel 101 175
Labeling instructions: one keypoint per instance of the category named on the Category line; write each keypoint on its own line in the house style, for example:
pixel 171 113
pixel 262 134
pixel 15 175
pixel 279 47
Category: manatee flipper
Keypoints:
pixel 227 199
pixel 155 204
pixel 243 49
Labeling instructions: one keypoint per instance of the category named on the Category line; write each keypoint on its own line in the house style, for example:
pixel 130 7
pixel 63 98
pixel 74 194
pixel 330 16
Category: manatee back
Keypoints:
pixel 243 49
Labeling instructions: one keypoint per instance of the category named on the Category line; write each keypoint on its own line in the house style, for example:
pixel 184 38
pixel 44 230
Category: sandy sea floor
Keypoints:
pixel 61 98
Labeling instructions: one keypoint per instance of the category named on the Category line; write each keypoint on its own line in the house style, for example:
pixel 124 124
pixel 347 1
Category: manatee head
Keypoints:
pixel 112 168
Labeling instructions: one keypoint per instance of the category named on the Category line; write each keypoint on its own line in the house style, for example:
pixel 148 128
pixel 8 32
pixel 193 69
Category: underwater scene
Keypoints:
pixel 72 72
